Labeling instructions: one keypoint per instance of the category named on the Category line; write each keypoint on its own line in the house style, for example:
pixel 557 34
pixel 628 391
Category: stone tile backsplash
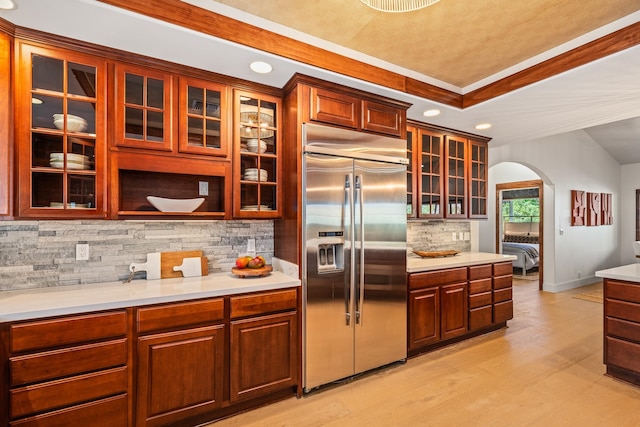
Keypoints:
pixel 35 254
pixel 434 235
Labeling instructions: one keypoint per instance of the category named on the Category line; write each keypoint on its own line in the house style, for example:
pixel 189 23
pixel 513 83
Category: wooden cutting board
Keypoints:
pixel 168 260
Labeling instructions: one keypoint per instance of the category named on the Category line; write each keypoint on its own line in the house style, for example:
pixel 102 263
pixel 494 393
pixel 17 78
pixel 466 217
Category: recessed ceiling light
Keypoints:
pixel 483 126
pixel 261 67
pixel 8 4
pixel 431 113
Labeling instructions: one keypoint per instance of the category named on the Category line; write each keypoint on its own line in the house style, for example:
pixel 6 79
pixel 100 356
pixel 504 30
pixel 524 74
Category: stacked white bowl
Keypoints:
pixel 251 174
pixel 256 146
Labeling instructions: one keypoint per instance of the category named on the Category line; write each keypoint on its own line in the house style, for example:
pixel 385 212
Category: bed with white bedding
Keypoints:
pixel 527 253
pixel 521 240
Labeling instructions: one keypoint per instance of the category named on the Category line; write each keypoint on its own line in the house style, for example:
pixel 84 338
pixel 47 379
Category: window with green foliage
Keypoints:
pixel 521 210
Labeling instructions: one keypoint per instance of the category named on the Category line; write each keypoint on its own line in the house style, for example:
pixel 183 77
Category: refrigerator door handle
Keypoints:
pixel 347 284
pixel 360 282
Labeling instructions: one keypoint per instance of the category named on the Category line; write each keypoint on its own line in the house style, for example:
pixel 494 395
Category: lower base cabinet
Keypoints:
pixel 180 374
pixel 448 305
pixel 622 329
pixel 263 355
pixel 181 363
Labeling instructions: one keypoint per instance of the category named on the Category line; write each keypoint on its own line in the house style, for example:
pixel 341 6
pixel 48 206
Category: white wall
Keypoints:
pixel 571 161
pixel 629 182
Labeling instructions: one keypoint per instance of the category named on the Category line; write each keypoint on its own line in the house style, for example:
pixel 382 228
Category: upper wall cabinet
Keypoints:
pixel 447 174
pixel 203 121
pixel 352 110
pixel 6 165
pixel 143 108
pixel 60 133
pixel 258 142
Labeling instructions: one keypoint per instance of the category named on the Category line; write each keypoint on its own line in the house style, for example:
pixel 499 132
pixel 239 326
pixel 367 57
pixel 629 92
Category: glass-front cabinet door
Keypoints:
pixel 456 177
pixel 424 174
pixel 143 108
pixel 60 130
pixel 478 172
pixel 257 155
pixel 203 118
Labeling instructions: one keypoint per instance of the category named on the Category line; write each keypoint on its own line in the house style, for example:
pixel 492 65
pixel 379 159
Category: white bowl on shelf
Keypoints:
pixel 74 123
pixel 175 205
pixel 256 146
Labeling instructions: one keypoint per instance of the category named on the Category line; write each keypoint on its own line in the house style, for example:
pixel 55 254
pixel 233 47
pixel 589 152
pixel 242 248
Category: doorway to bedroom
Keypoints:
pixel 520 225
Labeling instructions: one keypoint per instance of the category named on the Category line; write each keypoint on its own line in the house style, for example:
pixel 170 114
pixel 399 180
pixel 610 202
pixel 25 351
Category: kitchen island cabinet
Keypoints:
pixel 446 305
pixel 163 352
pixel 621 287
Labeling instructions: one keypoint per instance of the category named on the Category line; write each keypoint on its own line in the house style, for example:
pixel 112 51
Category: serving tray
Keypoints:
pixel 252 272
pixel 436 254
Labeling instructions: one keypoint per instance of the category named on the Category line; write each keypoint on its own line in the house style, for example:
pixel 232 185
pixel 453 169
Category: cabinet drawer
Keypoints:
pixel 502 282
pixel 502 311
pixel 623 354
pixel 65 362
pixel 502 268
pixel 70 391
pixel 382 118
pixel 108 412
pixel 479 300
pixel 623 291
pixel 501 295
pixel 336 108
pixel 480 272
pixel 623 329
pixel 264 302
pixel 67 330
pixel 478 286
pixel 622 310
pixel 179 314
pixel 437 278
pixel 480 317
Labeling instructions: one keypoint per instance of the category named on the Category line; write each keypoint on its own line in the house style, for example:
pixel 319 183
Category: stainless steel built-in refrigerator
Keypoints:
pixel 354 253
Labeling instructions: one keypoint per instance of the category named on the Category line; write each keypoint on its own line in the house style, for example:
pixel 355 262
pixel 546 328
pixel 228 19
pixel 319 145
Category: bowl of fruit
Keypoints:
pixel 251 266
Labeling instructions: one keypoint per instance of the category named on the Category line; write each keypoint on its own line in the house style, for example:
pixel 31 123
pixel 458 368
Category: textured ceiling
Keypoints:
pixel 459 42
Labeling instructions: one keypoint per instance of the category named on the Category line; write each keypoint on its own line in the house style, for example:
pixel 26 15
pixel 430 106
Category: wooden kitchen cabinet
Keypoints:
pixel 478 176
pixel 60 133
pixel 6 147
pixel 144 110
pixel 257 163
pixel 502 292
pixel 263 348
pixel 437 306
pixel 424 315
pixel 69 369
pixel 480 296
pixel 425 184
pixel 448 173
pixel 203 117
pixel 448 305
pixel 622 329
pixel 343 107
pixel 180 360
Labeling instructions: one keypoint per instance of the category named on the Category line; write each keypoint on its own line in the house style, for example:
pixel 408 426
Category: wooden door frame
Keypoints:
pixel 536 183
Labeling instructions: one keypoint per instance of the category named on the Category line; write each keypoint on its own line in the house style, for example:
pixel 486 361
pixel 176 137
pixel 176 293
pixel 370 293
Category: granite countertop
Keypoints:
pixel 63 300
pixel 629 273
pixel 416 264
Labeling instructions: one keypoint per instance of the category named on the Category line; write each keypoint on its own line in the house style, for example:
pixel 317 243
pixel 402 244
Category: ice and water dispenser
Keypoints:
pixel 330 251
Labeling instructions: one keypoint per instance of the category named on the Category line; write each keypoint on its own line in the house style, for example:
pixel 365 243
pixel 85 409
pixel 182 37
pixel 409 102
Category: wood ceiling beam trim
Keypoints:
pixel 216 25
pixel 611 43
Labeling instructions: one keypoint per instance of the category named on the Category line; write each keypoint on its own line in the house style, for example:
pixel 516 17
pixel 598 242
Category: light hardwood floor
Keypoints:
pixel 545 369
